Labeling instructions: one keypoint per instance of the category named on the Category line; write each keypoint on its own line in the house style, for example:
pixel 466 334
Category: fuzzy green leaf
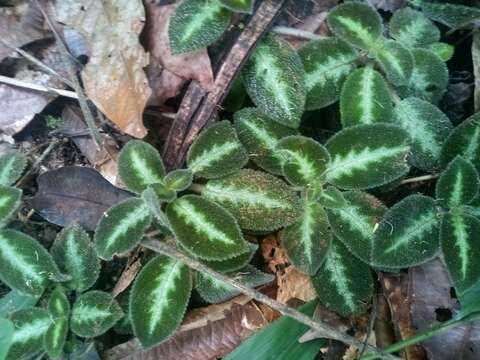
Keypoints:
pixel 443 50
pixel 140 165
pixel 344 283
pixel 428 128
pixel 358 24
pixel 365 98
pixel 93 313
pixel 6 336
pixel 153 204
pixel 365 156
pixel 58 304
pixel 25 265
pixel 397 62
pixel 75 255
pixel 331 198
pixel 163 193
pixel 205 229
pixel 243 6
pixel 275 80
pixel 303 160
pixel 355 222
pixel 14 301
pixel 215 291
pixel 306 242
pixel 260 136
pixel 158 299
pixel 464 140
pixel 12 165
pixel 327 63
pixel 179 180
pixel 55 338
pixel 258 201
pixel 121 228
pixel 9 202
pixel 413 29
pixel 216 152
pixel 235 263
pixel 408 233
pixel 452 15
pixel 459 239
pixel 30 327
pixel 197 24
pixel 458 184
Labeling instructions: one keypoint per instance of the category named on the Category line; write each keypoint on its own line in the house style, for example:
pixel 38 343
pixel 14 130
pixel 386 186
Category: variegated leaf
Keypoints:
pixel 443 50
pixel 343 283
pixel 359 24
pixel 25 265
pixel 355 222
pixel 215 291
pixel 459 239
pixel 258 201
pixel 452 15
pixel 10 198
pixel 121 228
pixel 124 325
pixel 158 299
pixel 153 204
pixel 55 337
pixel 306 242
pixel 413 29
pixel 216 152
pixel 260 136
pixel 459 183
pixel 30 327
pixel 93 313
pixel 6 336
pixel 75 255
pixel 275 80
pixel 327 63
pixel 197 24
pixel 235 263
pixel 140 165
pixel 408 233
pixel 428 128
pixel 365 156
pixel 179 180
pixel 397 62
pixel 243 6
pixel 205 229
pixel 58 304
pixel 15 300
pixel 303 160
pixel 163 193
pixel 12 165
pixel 365 98
pixel 464 140
pixel 473 208
pixel 331 198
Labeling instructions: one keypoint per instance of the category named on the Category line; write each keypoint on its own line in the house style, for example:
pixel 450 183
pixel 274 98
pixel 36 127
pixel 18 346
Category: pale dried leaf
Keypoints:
pixel 293 284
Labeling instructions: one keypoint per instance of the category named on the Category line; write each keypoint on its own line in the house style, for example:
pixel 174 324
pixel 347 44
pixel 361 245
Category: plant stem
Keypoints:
pixel 325 329
pixel 37 87
pixel 298 33
pixel 419 178
pixel 37 162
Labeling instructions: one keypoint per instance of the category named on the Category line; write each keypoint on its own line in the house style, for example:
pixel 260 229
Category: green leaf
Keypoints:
pixel 358 24
pixel 397 62
pixel 121 228
pixel 365 98
pixel 428 128
pixel 464 140
pixel 197 24
pixel 355 222
pixel 216 152
pixel 303 159
pixel 327 63
pixel 93 313
pixel 243 6
pixel 140 165
pixel 153 204
pixel 408 233
pixel 306 242
pixel 205 229
pixel 260 136
pixel 124 325
pixel 443 50
pixel 6 337
pixel 215 291
pixel 75 255
pixel 331 198
pixel 459 239
pixel 413 29
pixel 55 338
pixel 14 301
pixel 58 304
pixel 458 184
pixel 258 201
pixel 30 327
pixel 179 180
pixel 365 156
pixel 163 193
pixel 235 263
pixel 158 299
pixel 10 199
pixel 25 265
pixel 452 15
pixel 12 165
pixel 275 80
pixel 344 283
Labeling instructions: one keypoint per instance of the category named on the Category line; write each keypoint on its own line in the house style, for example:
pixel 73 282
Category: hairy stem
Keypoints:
pixel 419 178
pixel 298 33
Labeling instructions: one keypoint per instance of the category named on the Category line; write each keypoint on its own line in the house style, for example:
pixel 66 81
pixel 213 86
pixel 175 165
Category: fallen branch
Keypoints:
pixel 37 87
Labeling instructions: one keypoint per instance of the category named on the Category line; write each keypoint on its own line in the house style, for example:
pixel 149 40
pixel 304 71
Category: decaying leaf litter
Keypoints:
pixel 128 83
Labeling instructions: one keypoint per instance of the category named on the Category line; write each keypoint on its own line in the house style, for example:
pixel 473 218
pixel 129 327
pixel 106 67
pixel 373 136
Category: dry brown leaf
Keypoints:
pixel 114 78
pixel 273 253
pixel 292 284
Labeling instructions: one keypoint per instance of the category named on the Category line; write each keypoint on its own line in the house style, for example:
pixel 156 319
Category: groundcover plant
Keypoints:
pixel 258 174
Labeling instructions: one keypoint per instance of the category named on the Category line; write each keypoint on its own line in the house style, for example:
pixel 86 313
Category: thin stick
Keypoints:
pixel 37 87
pixel 419 179
pixel 298 33
pixel 321 327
